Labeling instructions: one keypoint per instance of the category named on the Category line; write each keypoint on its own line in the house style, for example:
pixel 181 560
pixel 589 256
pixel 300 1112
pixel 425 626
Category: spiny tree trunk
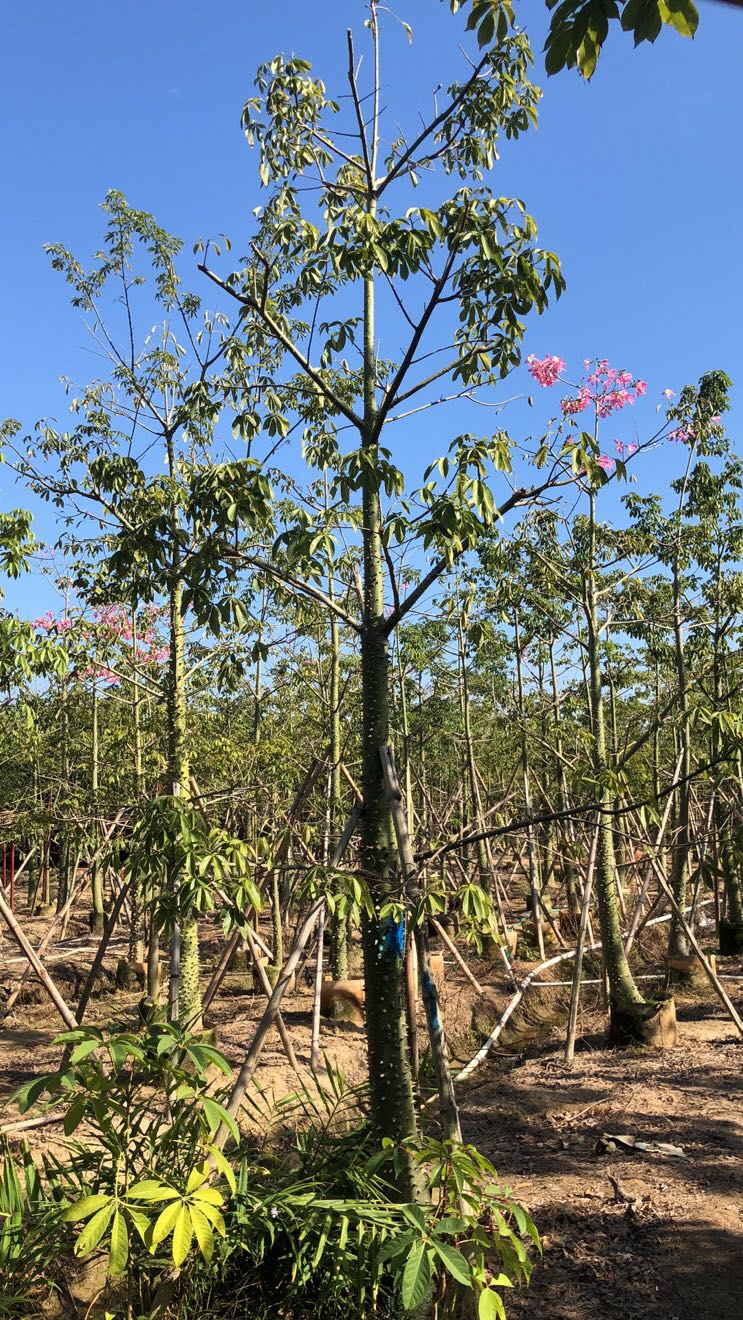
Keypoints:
pixel 185 962
pixel 391 1090
pixel 136 929
pixel 623 993
pixel 526 774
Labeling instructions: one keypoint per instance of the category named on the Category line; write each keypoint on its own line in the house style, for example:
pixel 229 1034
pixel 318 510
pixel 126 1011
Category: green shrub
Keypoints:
pixel 302 1218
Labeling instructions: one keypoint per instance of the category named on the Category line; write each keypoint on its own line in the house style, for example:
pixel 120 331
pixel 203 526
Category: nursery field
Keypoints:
pixel 648 1231
pixel 371 664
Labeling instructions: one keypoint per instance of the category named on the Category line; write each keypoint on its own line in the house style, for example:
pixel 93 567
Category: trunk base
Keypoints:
pixel 343 1001
pixel 652 1024
pixel 688 970
pixel 731 937
pixel 273 973
pixel 130 975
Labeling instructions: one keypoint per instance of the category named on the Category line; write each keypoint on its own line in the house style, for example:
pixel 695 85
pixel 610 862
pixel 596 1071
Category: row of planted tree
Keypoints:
pixel 258 604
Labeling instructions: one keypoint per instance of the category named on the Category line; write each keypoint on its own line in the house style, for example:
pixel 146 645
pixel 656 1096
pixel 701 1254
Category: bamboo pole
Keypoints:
pixel 317 993
pixel 102 946
pixel 267 990
pixel 454 951
pixel 437 1039
pixel 696 946
pixel 515 1000
pixel 61 916
pixel 646 882
pixel 65 1012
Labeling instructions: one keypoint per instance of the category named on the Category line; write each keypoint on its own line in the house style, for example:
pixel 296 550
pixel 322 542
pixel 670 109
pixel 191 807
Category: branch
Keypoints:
pixel 286 578
pixel 517 498
pixel 566 813
pixel 357 108
pixel 287 343
pixel 399 376
pixel 431 127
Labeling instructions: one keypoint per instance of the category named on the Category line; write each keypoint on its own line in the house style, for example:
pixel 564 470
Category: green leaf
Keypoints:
pixel 85 1208
pixel 119 1246
pixel 74 1115
pixel 165 1222
pixel 151 1189
pixel 223 1165
pixel 141 1223
pixel 82 1050
pixel 204 1233
pixel 454 1262
pixel 416 1277
pixel 490 1306
pixel 94 1229
pixel 182 1235
pixel 216 1114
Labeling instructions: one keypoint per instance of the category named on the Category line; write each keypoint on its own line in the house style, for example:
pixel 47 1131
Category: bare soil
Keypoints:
pixel 625 1233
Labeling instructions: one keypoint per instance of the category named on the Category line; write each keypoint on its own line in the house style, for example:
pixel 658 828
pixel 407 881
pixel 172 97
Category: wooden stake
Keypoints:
pixel 267 990
pixel 315 1042
pixel 711 976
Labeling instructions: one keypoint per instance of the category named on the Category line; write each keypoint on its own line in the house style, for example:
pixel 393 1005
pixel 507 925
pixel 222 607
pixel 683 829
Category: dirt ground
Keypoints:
pixel 625 1233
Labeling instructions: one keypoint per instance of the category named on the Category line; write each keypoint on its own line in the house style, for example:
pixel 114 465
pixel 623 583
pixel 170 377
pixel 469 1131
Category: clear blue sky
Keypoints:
pixel 635 179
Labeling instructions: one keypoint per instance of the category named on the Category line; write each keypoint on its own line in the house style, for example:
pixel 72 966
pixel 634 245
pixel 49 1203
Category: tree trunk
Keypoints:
pixel 390 1081
pixel 624 995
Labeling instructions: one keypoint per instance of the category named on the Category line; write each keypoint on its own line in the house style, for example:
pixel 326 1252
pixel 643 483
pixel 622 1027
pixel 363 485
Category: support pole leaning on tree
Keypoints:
pixel 439 1052
pixel 64 1010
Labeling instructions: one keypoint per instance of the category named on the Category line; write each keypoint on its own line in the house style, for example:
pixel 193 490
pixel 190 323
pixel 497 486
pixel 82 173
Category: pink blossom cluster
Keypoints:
pixel 48 623
pixel 609 389
pixel 578 403
pixel 546 371
pixel 620 448
pixel 100 671
pixel 605 387
pixel 114 624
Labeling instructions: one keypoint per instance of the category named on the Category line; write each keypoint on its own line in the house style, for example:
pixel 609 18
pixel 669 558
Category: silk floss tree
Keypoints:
pixel 361 246
pixel 135 473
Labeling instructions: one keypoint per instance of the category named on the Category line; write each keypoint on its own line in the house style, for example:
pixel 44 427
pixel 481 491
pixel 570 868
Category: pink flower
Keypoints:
pixel 669 394
pixel 612 400
pixel 605 462
pixel 631 449
pixel 545 370
pixel 619 447
pixel 641 387
pixel 577 405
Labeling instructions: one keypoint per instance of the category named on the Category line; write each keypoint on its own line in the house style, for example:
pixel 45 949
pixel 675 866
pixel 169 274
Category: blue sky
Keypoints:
pixel 635 179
